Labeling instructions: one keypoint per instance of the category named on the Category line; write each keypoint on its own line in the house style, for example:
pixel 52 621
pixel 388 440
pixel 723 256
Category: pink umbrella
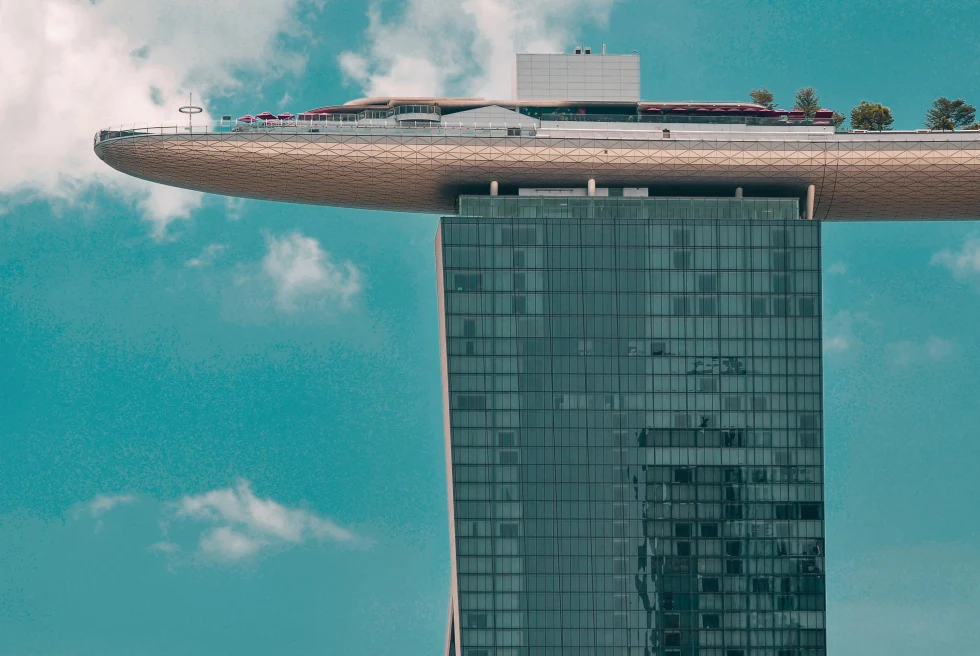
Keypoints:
pixel 266 116
pixel 248 118
pixel 286 116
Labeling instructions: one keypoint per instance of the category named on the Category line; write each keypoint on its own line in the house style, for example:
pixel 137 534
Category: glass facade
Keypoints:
pixel 633 389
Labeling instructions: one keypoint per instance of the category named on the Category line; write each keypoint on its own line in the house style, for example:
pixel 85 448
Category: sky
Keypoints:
pixel 220 420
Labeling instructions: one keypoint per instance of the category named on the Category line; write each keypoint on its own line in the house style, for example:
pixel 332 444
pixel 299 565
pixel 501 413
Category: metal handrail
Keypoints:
pixel 293 127
pixel 682 119
pixel 572 129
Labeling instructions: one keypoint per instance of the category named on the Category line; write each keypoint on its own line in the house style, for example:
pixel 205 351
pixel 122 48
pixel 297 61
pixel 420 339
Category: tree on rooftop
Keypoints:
pixel 975 126
pixel 763 96
pixel 871 116
pixel 807 101
pixel 949 114
pixel 838 119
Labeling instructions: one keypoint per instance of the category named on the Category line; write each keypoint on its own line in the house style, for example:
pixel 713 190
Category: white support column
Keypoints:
pixel 494 188
pixel 811 194
pixel 738 192
pixel 591 191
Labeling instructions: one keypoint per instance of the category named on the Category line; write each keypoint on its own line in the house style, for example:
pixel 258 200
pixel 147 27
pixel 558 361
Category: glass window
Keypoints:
pixel 682 259
pixel 683 475
pixel 710 584
pixel 710 621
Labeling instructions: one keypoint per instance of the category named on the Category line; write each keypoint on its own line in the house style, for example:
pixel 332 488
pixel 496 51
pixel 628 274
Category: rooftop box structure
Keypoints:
pixel 585 76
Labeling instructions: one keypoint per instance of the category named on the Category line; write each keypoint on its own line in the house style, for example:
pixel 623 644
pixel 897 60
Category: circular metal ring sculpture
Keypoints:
pixel 190 109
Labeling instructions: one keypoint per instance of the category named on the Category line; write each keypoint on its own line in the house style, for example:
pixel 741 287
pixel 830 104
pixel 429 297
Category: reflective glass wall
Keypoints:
pixel 635 429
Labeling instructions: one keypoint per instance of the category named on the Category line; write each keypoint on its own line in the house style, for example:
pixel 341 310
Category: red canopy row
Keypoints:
pixel 269 116
pixel 265 116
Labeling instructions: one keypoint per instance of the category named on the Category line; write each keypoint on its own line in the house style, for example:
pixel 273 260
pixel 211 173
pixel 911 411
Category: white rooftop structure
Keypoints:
pixel 583 76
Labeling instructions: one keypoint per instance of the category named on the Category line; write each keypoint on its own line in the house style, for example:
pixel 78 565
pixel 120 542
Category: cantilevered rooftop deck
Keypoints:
pixel 420 155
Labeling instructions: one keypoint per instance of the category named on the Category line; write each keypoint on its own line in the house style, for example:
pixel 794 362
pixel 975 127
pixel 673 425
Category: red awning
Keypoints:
pixel 285 116
pixel 265 116
pixel 248 118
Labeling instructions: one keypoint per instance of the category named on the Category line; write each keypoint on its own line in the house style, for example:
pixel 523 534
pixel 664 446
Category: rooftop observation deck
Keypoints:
pixel 468 117
pixel 679 123
pixel 420 155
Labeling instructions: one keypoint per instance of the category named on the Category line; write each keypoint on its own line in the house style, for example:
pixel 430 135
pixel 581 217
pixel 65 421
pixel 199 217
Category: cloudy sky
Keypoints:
pixel 220 424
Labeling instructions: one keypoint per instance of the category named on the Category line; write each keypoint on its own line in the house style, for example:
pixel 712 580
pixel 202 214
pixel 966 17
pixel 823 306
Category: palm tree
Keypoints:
pixel 949 114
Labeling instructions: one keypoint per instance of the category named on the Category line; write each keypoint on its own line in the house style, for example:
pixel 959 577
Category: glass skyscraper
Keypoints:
pixel 634 426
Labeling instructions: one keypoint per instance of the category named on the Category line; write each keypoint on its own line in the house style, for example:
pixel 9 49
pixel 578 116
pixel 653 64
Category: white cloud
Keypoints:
pixel 843 331
pixel 836 344
pixel 230 524
pixel 103 503
pixel 839 332
pixel 907 353
pixel 241 524
pixel 938 348
pixel 837 269
pixel 434 47
pixel 303 272
pixel 207 256
pixel 228 544
pixel 71 67
pixel 964 264
pixel 100 505
pixel 234 207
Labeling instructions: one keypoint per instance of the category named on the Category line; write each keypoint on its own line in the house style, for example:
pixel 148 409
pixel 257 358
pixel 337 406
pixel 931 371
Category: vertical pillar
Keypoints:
pixel 811 193
pixel 591 191
pixel 494 188
pixel 738 192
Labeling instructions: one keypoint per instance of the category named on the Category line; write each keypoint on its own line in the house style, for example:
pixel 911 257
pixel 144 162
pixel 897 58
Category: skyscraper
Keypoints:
pixel 633 398
pixel 630 304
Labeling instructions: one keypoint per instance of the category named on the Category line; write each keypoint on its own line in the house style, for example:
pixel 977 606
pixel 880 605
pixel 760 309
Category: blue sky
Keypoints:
pixel 220 422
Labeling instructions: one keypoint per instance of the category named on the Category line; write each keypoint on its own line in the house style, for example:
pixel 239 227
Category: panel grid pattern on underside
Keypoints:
pixel 635 423
pixel 854 180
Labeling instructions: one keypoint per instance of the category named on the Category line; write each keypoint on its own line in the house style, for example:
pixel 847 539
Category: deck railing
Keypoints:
pixel 293 127
pixel 731 119
pixel 572 128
